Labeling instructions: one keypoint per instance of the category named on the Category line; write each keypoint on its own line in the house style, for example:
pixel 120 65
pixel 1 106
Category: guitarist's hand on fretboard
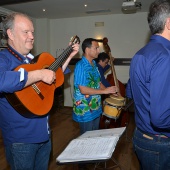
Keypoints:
pixel 75 48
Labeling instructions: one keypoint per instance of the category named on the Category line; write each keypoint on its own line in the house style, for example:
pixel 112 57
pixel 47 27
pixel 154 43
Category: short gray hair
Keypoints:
pixel 8 22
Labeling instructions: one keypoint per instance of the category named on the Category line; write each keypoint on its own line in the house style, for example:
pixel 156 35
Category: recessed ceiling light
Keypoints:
pixel 85 5
pixel 44 10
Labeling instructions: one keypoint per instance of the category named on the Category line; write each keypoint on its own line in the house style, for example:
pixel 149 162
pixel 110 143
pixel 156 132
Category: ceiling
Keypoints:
pixel 56 9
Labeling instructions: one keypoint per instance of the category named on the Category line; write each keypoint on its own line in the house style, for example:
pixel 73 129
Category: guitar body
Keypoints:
pixel 28 101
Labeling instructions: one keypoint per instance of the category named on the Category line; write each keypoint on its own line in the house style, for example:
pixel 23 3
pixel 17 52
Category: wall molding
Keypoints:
pixel 117 61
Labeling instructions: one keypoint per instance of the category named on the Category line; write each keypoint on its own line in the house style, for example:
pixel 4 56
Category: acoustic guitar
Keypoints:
pixel 37 99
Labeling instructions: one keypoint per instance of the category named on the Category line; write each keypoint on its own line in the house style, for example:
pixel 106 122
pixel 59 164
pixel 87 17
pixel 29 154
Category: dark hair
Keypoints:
pixel 8 22
pixel 159 11
pixel 102 56
pixel 87 43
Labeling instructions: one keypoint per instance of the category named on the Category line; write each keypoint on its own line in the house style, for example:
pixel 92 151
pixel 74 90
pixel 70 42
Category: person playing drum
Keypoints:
pixel 88 88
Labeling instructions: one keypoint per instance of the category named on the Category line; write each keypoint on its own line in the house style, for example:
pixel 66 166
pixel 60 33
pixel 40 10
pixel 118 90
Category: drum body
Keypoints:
pixel 112 108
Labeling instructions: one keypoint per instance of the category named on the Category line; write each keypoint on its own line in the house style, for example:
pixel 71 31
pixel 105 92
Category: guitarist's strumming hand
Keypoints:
pixel 45 75
pixel 48 76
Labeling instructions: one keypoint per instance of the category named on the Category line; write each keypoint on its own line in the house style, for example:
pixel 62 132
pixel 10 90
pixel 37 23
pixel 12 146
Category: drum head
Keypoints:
pixel 119 98
pixel 114 102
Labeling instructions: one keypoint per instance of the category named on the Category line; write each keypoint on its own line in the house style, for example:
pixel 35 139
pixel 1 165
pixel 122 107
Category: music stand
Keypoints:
pixel 116 164
pixel 126 108
pixel 86 148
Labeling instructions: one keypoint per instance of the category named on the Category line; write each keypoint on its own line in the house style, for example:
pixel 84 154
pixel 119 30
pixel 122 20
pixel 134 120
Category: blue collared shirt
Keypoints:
pixel 86 107
pixel 16 128
pixel 149 86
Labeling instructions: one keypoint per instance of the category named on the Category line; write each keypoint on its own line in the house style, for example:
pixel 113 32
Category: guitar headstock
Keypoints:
pixel 75 40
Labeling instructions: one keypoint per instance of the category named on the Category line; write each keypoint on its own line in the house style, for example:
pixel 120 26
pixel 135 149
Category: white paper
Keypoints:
pixel 104 132
pixel 84 149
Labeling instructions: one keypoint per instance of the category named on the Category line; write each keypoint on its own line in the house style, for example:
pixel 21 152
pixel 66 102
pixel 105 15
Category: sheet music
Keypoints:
pixel 84 149
pixel 104 132
pixel 92 145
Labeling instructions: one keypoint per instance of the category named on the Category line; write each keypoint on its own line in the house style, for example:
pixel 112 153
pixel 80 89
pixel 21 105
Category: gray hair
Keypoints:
pixel 159 11
pixel 8 22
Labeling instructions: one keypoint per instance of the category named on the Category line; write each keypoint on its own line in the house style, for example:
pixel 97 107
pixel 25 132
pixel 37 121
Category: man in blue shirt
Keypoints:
pixel 148 86
pixel 26 140
pixel 102 63
pixel 88 88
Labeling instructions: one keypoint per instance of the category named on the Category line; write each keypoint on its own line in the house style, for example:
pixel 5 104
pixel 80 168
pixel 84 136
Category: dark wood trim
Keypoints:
pixel 117 61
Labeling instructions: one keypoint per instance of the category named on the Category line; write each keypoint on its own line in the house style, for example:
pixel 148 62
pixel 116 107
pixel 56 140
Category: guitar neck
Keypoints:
pixel 61 59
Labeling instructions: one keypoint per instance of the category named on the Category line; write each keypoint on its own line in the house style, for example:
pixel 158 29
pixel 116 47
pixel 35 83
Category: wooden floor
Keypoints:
pixel 64 129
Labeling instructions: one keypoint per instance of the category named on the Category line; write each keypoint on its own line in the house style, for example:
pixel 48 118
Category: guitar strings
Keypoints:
pixel 58 62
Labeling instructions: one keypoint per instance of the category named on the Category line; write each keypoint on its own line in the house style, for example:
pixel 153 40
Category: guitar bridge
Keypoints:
pixel 37 90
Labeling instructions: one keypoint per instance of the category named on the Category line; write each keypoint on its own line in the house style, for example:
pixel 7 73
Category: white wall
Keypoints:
pixel 42 36
pixel 126 33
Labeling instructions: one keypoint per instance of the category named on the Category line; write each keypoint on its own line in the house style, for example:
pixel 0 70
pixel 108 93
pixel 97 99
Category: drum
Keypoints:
pixel 119 99
pixel 112 108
